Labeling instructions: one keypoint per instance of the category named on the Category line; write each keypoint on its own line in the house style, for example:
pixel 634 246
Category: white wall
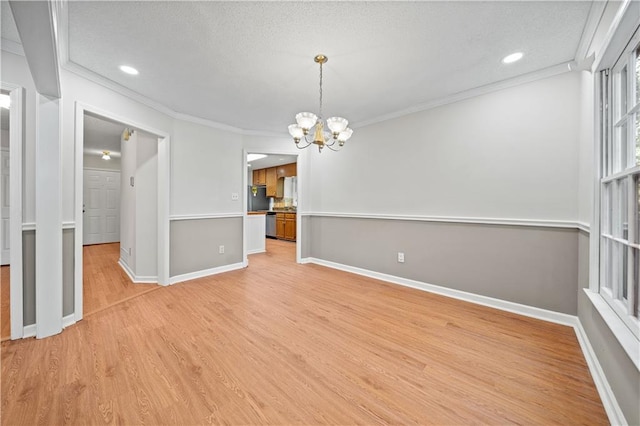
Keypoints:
pixel 146 205
pixel 507 154
pixel 206 168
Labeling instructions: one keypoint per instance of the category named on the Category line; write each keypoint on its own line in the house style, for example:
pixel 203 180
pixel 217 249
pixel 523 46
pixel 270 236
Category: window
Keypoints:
pixel 620 186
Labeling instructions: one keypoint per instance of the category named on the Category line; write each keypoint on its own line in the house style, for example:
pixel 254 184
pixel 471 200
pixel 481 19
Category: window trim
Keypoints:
pixel 624 32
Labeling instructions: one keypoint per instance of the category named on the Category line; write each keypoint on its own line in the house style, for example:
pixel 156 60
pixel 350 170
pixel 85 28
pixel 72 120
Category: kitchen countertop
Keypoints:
pixel 256 213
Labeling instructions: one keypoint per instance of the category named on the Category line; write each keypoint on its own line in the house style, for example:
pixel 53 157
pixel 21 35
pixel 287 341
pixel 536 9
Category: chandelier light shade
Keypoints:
pixel 310 125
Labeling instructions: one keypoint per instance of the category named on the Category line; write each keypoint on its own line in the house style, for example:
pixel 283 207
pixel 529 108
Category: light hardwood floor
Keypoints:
pixel 5 300
pixel 281 343
pixel 105 282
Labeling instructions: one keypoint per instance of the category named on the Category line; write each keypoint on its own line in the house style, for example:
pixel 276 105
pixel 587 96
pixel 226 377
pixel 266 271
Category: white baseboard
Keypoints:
pixel 29 331
pixel 138 279
pixel 516 308
pixel 616 417
pixel 256 251
pixel 68 320
pixel 206 272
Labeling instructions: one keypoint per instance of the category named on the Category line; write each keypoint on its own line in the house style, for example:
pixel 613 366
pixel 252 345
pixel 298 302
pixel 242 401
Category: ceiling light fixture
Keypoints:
pixel 253 157
pixel 106 155
pixel 307 120
pixel 5 101
pixel 129 70
pixel 509 59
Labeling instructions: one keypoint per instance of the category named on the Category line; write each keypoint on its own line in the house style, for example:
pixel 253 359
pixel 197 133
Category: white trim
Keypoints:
pixel 68 320
pixel 29 331
pixel 204 216
pixel 206 272
pixel 16 143
pixel 467 94
pixel 593 20
pixel 503 305
pixel 102 170
pixel 48 216
pixel 134 278
pixel 11 47
pixel 582 226
pixel 68 225
pixel 453 219
pixel 608 398
pixel 256 251
pixel 625 337
pixel 29 226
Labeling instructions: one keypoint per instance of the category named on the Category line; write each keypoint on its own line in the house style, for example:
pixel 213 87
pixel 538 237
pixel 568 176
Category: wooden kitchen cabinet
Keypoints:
pixel 290 226
pixel 280 220
pixel 286 226
pixel 259 177
pixel 271 179
pixel 287 170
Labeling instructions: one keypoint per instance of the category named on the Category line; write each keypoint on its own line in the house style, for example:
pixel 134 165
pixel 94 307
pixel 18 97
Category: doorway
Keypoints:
pixel 120 192
pixel 271 219
pixel 5 218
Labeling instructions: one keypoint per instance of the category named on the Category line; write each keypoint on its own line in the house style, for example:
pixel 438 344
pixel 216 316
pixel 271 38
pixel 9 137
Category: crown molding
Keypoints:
pixel 472 93
pixel 11 47
pixel 593 21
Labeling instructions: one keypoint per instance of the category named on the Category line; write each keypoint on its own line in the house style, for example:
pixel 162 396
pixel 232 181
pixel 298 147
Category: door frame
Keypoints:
pixel 164 151
pixel 16 114
pixel 300 176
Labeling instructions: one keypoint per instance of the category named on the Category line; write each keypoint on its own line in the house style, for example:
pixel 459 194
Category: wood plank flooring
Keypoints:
pixel 105 282
pixel 5 303
pixel 281 343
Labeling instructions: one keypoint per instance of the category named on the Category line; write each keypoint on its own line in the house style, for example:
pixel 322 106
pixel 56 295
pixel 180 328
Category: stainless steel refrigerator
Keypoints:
pixel 259 201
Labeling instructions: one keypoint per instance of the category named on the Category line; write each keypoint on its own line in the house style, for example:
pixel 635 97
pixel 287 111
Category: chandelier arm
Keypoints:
pixel 334 149
pixel 309 143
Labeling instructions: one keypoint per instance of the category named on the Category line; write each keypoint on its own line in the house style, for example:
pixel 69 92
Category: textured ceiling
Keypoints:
pixel 102 135
pixel 249 64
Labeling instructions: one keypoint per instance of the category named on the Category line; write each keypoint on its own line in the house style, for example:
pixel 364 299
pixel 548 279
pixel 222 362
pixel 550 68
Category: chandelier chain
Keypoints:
pixel 320 90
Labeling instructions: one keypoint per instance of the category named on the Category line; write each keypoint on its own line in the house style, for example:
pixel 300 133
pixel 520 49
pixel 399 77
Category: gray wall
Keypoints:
pixel 529 265
pixel 29 275
pixel 29 278
pixel 622 375
pixel 194 244
pixel 67 271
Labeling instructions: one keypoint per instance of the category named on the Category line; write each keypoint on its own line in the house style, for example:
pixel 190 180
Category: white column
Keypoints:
pixel 48 219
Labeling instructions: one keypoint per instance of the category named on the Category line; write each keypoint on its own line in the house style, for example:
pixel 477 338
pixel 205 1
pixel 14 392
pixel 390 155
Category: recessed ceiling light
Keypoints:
pixel 106 155
pixel 253 157
pixel 5 101
pixel 509 59
pixel 129 70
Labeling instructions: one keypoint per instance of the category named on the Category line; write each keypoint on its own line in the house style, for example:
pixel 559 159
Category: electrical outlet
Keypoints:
pixel 221 249
pixel 400 257
pixel 234 196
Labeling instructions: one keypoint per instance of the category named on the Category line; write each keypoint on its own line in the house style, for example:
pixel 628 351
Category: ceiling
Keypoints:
pixel 250 64
pixel 101 134
pixel 272 160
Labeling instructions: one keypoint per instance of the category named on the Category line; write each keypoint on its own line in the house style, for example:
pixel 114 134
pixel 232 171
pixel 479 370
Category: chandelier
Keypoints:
pixel 339 132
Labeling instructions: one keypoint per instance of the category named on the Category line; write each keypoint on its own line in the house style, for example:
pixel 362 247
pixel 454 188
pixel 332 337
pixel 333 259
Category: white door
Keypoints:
pixel 101 206
pixel 4 244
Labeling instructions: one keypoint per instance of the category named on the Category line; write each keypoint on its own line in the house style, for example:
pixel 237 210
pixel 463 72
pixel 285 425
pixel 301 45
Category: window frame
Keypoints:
pixel 607 234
